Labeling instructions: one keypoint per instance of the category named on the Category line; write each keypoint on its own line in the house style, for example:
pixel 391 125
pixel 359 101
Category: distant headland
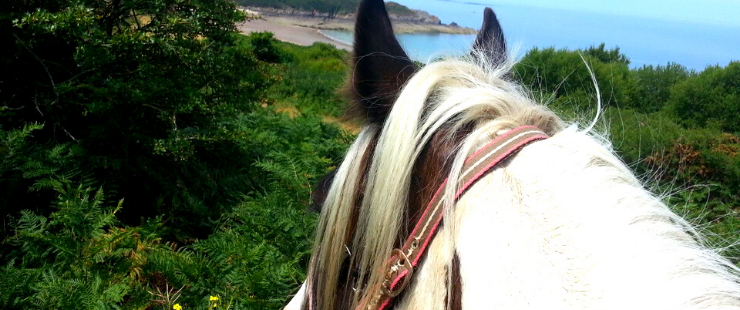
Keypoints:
pixel 405 20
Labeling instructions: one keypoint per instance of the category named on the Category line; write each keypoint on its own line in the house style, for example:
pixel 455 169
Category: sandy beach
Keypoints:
pixel 288 33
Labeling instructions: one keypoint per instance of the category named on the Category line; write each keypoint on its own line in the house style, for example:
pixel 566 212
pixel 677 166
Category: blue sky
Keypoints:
pixel 694 33
pixel 722 12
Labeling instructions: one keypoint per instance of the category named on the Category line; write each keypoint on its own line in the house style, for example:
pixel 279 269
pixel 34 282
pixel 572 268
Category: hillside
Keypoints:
pixel 335 15
pixel 324 7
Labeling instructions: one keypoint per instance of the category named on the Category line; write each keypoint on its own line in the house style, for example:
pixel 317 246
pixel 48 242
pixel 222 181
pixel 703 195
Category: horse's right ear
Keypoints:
pixel 380 67
pixel 490 42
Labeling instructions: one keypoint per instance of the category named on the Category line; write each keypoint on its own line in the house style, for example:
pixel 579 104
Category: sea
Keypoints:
pixel 645 41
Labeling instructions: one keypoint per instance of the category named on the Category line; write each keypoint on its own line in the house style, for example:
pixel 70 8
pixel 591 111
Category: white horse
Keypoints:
pixel 564 224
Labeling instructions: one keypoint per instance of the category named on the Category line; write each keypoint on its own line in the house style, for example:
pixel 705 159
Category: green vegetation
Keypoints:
pixel 143 163
pixel 312 80
pixel 677 128
pixel 398 9
pixel 330 7
pixel 151 157
pixel 138 92
pixel 709 99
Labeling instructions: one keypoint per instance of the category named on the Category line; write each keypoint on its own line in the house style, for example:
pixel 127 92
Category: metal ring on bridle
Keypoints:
pixel 403 261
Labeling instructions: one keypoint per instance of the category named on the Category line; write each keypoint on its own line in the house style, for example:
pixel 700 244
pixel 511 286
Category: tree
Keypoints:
pixel 654 84
pixel 711 98
pixel 607 56
pixel 146 89
pixel 563 75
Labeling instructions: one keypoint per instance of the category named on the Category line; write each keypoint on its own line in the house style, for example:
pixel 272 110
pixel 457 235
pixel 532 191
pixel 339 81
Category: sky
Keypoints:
pixel 721 12
pixel 694 33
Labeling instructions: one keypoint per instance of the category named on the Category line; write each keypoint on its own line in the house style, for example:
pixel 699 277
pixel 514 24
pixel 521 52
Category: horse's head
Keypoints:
pixel 416 121
pixel 381 68
pixel 543 219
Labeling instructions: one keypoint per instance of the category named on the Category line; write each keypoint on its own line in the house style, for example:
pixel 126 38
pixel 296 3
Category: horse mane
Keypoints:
pixel 364 212
pixel 452 92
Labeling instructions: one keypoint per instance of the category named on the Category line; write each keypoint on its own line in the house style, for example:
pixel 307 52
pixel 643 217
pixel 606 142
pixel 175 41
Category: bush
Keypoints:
pixel 711 98
pixel 559 73
pixel 264 47
pixel 699 169
pixel 231 185
pixel 654 85
pixel 312 79
pixel 607 56
pixel 81 257
pixel 146 91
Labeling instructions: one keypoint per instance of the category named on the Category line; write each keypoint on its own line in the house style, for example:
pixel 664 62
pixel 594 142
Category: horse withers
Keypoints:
pixel 561 224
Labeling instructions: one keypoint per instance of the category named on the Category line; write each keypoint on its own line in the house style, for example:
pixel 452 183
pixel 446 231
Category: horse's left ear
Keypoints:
pixel 380 67
pixel 490 42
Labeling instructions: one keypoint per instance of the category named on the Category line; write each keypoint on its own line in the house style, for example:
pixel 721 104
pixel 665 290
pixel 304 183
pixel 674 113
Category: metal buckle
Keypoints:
pixel 403 261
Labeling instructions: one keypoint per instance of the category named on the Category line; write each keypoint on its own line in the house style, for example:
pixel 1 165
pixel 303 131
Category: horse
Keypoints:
pixel 561 224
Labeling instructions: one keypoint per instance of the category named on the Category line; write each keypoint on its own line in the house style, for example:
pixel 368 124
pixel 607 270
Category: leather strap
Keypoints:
pixel 401 264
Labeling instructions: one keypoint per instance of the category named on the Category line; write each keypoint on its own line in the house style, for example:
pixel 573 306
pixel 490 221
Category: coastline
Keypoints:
pixel 347 24
pixel 408 23
pixel 290 33
pixel 332 38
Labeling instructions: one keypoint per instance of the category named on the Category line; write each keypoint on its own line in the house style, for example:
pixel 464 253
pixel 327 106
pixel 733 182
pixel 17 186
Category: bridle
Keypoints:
pixel 400 265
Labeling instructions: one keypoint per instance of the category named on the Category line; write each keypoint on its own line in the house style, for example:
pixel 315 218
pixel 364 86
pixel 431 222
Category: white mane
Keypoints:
pixel 564 224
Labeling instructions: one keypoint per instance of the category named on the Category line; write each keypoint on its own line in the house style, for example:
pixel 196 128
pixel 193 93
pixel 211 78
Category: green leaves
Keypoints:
pixel 655 85
pixel 676 127
pixel 77 258
pixel 141 88
pixel 709 99
pixel 13 144
pixel 562 75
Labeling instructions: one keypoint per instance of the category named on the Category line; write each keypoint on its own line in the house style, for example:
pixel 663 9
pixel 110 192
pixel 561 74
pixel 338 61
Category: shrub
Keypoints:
pixel 711 98
pixel 559 73
pixel 264 47
pixel 145 89
pixel 699 169
pixel 312 79
pixel 607 56
pixel 654 85
pixel 81 257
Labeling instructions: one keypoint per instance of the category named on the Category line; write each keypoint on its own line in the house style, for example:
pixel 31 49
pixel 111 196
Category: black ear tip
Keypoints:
pixel 488 13
pixel 490 41
pixel 489 17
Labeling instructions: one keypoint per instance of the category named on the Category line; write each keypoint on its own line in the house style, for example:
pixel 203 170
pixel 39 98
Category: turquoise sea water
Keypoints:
pixel 643 40
pixel 421 47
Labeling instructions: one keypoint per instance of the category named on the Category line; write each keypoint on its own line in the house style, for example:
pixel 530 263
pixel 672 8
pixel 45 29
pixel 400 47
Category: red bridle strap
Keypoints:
pixel 401 264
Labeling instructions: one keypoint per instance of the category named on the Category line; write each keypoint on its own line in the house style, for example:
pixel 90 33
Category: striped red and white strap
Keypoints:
pixel 401 264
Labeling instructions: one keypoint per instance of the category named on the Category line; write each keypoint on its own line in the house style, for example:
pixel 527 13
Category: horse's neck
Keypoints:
pixel 569 230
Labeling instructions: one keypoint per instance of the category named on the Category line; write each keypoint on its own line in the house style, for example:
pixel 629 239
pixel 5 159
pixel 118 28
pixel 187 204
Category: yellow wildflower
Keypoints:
pixel 214 298
pixel 177 307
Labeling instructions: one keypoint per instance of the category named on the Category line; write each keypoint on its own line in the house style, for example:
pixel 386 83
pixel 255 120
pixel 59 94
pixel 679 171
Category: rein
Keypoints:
pixel 400 266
